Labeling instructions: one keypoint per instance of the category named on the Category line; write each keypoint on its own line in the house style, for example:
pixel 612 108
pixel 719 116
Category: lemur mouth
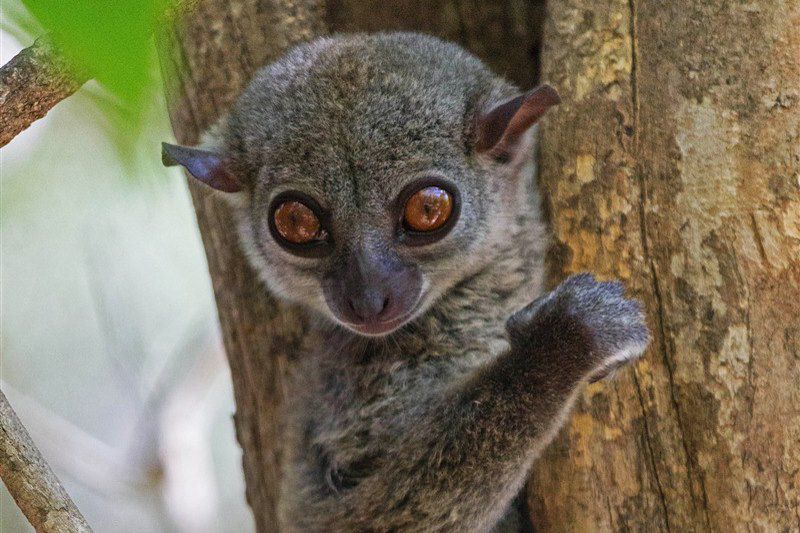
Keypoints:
pixel 377 329
pixel 380 328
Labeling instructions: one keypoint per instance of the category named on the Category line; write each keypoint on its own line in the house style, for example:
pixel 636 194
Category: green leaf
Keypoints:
pixel 113 42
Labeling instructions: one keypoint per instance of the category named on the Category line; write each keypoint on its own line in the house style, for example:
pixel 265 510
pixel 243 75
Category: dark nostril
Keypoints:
pixel 385 304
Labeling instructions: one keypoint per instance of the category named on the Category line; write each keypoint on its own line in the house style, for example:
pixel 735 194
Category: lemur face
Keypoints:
pixel 371 250
pixel 371 279
pixel 370 225
pixel 373 172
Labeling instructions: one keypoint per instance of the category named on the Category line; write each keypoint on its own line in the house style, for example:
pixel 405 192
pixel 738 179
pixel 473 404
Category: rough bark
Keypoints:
pixel 674 163
pixel 31 482
pixel 31 83
pixel 207 59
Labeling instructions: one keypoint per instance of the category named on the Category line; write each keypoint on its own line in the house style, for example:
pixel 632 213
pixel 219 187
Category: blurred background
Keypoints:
pixel 111 353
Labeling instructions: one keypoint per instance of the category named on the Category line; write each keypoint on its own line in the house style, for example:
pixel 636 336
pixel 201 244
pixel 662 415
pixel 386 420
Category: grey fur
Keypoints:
pixel 435 426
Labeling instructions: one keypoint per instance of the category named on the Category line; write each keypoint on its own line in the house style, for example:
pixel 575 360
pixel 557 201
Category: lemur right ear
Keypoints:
pixel 502 127
pixel 206 166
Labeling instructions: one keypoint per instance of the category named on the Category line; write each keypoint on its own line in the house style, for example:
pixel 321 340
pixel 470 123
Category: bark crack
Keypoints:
pixel 759 239
pixel 690 470
pixel 632 13
pixel 647 441
pixel 660 308
pixel 634 70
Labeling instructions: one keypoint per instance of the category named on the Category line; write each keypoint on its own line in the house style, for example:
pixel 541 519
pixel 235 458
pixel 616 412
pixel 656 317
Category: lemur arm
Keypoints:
pixel 466 453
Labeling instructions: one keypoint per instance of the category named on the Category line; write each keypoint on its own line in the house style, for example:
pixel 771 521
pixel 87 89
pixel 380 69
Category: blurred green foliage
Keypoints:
pixel 111 40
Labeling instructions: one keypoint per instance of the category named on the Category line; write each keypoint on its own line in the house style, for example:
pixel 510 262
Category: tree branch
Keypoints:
pixel 31 83
pixel 31 482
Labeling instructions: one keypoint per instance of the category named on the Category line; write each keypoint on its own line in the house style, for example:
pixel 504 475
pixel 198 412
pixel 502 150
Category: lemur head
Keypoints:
pixel 371 173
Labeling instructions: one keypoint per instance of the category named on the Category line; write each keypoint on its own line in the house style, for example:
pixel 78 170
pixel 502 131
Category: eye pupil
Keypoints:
pixel 428 209
pixel 296 222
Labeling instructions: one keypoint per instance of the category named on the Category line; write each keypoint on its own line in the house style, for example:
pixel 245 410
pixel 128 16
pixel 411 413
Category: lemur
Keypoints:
pixel 385 183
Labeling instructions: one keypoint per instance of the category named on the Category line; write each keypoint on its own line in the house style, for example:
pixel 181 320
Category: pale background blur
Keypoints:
pixel 111 354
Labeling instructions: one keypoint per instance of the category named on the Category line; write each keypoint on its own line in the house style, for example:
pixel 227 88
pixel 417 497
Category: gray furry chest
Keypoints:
pixel 357 412
pixel 369 383
pixel 353 399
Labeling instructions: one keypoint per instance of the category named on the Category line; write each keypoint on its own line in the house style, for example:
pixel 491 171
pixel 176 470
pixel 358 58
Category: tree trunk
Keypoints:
pixel 674 163
pixel 207 60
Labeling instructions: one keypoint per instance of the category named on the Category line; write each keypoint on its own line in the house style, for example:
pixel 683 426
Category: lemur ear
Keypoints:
pixel 501 128
pixel 205 166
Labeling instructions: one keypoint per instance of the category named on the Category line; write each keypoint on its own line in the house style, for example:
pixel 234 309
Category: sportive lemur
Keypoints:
pixel 384 182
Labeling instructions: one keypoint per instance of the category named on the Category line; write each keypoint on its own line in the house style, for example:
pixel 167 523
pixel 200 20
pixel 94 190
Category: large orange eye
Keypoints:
pixel 428 209
pixel 297 223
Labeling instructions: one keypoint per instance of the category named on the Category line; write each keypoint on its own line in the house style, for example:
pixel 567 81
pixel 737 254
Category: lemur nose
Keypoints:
pixel 369 305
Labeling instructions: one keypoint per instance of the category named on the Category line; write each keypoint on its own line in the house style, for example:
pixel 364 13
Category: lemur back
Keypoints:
pixel 385 183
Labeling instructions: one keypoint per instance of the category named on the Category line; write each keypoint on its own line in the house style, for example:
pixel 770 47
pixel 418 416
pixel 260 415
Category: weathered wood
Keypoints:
pixel 31 482
pixel 31 83
pixel 674 163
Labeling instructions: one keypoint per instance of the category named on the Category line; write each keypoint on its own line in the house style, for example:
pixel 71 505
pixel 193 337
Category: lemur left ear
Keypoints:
pixel 206 166
pixel 501 128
